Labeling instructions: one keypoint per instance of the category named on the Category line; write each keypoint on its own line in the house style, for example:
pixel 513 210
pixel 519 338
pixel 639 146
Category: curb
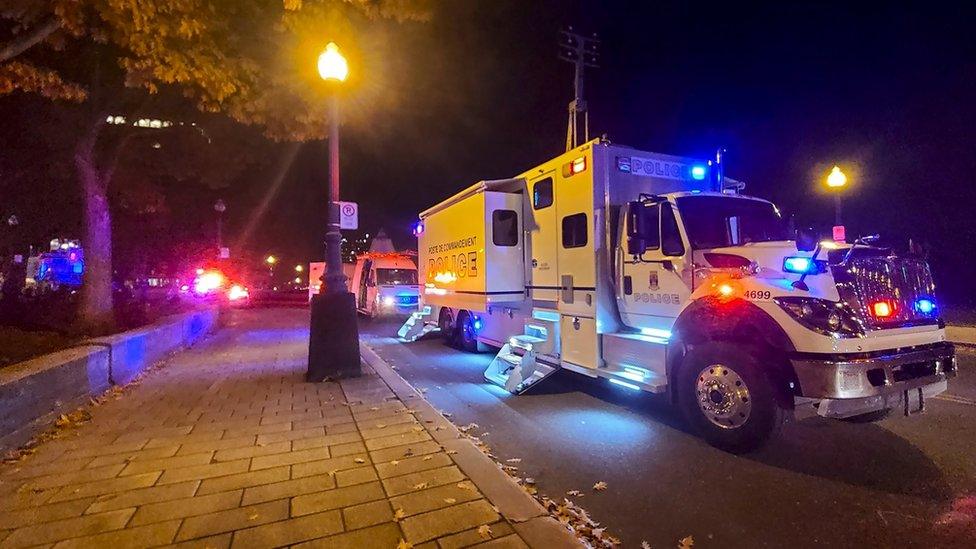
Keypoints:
pixel 963 335
pixel 530 520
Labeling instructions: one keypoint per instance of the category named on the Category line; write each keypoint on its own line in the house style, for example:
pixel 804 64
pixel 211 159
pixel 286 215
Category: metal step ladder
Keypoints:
pixel 516 367
pixel 416 326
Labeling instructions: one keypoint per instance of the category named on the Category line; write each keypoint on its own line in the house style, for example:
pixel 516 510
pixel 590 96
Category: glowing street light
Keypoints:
pixel 332 65
pixel 299 268
pixel 836 180
pixel 271 260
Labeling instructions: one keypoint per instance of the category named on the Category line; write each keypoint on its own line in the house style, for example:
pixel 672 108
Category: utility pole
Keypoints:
pixel 582 52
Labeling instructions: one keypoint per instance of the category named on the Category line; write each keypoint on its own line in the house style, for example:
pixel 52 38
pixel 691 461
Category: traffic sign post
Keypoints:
pixel 348 215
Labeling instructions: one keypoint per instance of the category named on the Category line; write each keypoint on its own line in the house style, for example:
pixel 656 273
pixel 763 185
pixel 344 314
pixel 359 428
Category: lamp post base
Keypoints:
pixel 333 342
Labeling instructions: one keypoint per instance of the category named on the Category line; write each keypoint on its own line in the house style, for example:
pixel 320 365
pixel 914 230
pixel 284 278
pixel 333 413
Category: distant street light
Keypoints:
pixel 299 268
pixel 220 208
pixel 271 260
pixel 333 345
pixel 836 180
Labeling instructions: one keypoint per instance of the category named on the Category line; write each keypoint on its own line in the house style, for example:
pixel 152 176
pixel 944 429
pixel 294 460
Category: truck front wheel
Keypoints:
pixel 446 324
pixel 727 397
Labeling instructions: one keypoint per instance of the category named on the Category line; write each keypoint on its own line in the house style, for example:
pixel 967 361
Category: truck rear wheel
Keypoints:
pixel 466 337
pixel 727 398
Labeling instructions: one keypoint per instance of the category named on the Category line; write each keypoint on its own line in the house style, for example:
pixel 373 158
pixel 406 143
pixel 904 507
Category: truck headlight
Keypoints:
pixel 826 317
pixel 388 301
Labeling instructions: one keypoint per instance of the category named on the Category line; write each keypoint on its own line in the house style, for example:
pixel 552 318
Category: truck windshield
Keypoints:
pixel 720 221
pixel 396 277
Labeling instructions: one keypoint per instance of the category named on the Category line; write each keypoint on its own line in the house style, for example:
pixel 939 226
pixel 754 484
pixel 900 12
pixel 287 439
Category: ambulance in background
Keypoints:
pixel 384 283
pixel 653 272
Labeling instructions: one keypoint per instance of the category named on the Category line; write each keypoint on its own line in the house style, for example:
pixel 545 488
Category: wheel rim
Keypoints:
pixel 467 330
pixel 723 396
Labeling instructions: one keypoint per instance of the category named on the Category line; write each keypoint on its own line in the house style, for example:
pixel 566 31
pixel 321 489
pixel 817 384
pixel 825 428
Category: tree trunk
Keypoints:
pixel 95 315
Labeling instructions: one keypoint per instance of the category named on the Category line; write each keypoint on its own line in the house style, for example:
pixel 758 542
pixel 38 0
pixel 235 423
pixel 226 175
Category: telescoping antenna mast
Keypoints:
pixel 582 52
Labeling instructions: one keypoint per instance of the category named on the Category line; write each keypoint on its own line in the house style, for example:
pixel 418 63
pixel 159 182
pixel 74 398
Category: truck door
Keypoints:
pixel 653 287
pixel 541 224
pixel 576 250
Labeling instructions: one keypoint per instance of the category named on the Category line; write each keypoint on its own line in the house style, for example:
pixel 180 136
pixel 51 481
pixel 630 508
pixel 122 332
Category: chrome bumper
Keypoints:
pixel 873 375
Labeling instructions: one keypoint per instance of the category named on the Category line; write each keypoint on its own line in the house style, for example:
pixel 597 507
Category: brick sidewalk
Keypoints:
pixel 226 445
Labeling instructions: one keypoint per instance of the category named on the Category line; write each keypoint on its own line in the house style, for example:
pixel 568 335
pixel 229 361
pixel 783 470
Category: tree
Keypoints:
pixel 250 60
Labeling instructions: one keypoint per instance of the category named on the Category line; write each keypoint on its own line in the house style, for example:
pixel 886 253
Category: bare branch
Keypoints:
pixel 24 41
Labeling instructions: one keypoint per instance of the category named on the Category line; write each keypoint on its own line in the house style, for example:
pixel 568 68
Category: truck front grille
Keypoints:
pixel 899 281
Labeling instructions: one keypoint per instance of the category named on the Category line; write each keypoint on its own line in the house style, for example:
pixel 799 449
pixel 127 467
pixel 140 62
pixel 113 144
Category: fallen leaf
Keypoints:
pixel 451 452
pixel 529 480
pixel 450 501
pixel 575 493
pixel 398 515
pixel 374 408
pixel 484 531
pixel 381 426
pixel 404 544
pixel 394 463
pixel 253 517
pixel 600 486
pixel 686 542
pixel 468 427
pixel 428 457
pixel 420 486
pixel 333 472
pixel 645 545
pixel 418 429
pixel 464 486
pixel 359 460
pixel 514 460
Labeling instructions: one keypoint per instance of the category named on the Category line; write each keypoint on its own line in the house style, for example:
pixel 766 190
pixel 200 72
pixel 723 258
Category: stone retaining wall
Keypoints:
pixel 35 391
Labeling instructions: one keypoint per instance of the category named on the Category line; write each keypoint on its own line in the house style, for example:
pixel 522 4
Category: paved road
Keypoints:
pixel 824 484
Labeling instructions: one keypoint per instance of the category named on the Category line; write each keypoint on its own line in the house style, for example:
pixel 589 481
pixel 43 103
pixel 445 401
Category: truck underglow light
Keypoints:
pixel 476 324
pixel 881 309
pixel 799 265
pixel 698 172
pixel 925 306
pixel 624 384
pixel 546 315
pixel 656 332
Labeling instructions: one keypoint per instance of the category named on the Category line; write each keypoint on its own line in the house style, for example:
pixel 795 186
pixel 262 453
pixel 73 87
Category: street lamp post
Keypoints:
pixel 220 208
pixel 333 346
pixel 836 180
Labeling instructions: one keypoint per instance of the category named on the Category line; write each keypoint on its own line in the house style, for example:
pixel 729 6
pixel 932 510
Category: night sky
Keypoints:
pixel 788 88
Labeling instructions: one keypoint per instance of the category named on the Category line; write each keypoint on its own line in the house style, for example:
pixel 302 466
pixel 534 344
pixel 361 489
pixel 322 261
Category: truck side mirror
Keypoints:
pixel 806 240
pixel 636 243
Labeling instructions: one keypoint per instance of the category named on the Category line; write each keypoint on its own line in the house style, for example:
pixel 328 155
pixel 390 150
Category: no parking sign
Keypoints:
pixel 348 215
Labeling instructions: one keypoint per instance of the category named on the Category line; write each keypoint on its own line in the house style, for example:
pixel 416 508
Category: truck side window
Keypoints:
pixel 542 194
pixel 651 215
pixel 574 231
pixel 671 244
pixel 504 228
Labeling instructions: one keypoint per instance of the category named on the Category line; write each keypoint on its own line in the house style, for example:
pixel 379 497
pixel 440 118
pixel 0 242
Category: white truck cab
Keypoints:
pixel 653 272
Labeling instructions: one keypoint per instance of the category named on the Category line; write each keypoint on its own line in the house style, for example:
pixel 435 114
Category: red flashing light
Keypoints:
pixel 882 309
